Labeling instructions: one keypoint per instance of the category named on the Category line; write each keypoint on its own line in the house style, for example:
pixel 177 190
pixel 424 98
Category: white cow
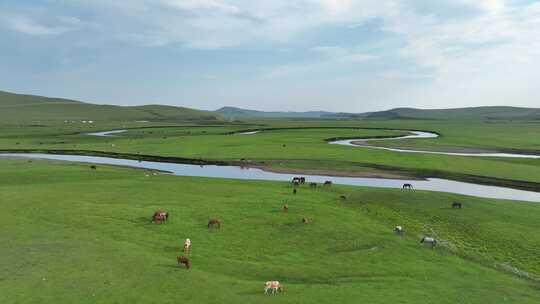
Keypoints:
pixel 273 287
pixel 429 241
pixel 187 245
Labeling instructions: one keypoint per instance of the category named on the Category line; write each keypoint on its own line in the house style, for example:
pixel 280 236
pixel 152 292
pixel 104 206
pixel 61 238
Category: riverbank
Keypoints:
pixel 249 170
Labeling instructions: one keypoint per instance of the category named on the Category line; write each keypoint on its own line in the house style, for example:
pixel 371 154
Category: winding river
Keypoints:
pixel 236 172
pixel 106 133
pixel 363 143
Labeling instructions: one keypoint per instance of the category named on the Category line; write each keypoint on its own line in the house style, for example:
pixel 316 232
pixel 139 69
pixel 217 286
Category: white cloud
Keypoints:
pixel 462 50
pixel 28 26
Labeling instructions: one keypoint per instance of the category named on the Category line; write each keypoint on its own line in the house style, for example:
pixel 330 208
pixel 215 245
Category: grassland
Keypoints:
pixel 70 234
pixel 75 235
pixel 18 108
pixel 306 149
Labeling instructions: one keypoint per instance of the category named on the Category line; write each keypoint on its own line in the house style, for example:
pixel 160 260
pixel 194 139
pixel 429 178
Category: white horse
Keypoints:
pixel 273 287
pixel 399 230
pixel 187 245
pixel 429 240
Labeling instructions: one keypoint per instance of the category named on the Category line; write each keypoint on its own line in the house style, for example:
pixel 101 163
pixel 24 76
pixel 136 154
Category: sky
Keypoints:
pixel 334 55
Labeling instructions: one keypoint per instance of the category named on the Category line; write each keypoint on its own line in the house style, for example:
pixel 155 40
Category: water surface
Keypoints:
pixel 236 172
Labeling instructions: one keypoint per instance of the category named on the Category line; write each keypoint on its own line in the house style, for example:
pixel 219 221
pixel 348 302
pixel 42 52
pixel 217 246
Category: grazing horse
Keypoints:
pixel 305 220
pixel 313 185
pixel 456 205
pixel 407 186
pixel 187 245
pixel 343 197
pixel 328 183
pixel 399 230
pixel 429 240
pixel 214 222
pixel 160 216
pixel 183 260
pixel 272 286
pixel 286 207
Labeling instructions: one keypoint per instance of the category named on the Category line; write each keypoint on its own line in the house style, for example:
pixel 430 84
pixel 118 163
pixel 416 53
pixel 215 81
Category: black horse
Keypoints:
pixel 407 186
pixel 457 205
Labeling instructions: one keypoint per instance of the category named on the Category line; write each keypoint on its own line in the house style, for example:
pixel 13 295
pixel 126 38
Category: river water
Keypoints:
pixel 236 172
pixel 419 134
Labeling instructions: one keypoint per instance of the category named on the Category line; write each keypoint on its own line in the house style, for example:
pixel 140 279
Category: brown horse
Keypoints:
pixel 160 216
pixel 214 222
pixel 183 260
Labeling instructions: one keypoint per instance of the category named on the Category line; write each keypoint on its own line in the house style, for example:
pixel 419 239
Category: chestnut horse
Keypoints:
pixel 183 260
pixel 214 222
pixel 160 216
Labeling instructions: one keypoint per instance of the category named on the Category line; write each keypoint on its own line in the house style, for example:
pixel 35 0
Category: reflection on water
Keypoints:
pixel 434 184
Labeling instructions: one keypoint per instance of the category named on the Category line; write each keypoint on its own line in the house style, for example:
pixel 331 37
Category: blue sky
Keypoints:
pixel 336 55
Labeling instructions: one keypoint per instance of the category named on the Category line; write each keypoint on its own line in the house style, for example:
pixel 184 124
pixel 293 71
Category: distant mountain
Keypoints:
pixel 21 108
pixel 234 112
pixel 476 113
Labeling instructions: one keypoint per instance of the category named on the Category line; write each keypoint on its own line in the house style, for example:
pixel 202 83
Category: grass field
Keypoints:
pixel 306 149
pixel 75 235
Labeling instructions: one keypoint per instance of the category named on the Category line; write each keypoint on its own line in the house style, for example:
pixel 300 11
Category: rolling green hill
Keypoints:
pixel 24 108
pixel 234 112
pixel 483 113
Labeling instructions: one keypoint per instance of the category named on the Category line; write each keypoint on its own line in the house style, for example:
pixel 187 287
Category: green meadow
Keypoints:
pixel 71 234
pixel 300 145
